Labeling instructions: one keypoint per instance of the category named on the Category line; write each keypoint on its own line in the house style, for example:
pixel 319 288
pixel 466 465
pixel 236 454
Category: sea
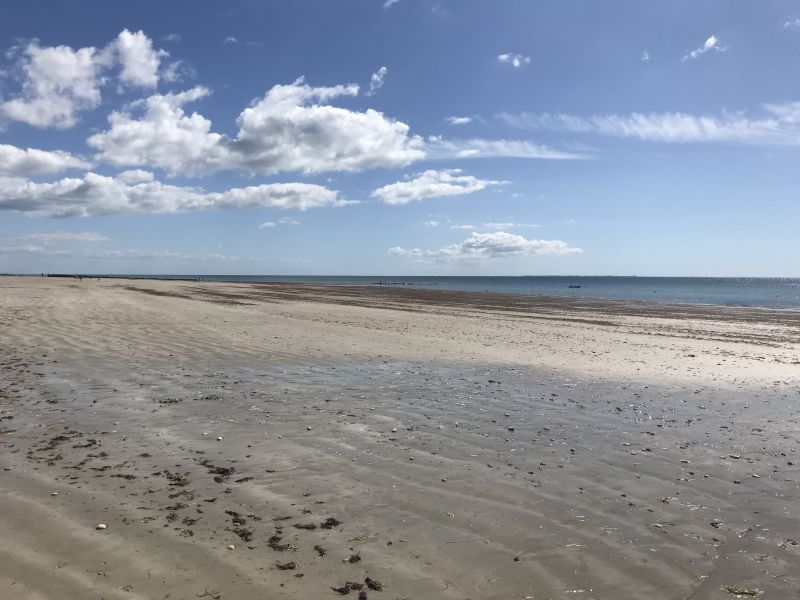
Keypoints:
pixel 772 292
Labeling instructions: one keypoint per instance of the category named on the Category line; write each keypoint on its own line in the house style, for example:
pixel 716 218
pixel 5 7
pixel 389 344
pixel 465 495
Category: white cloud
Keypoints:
pixel 165 136
pixel 459 120
pixel 139 59
pixel 432 184
pixel 515 60
pixel 507 225
pixel 59 82
pixel 777 124
pixel 792 24
pixel 230 40
pixel 376 81
pixel 172 37
pixel 97 195
pixel 19 162
pixel 487 246
pixel 466 226
pixel 132 254
pixel 289 129
pixel 712 43
pixel 645 56
pixel 389 3
pixel 282 221
pixel 431 223
pixel 439 148
pixel 66 236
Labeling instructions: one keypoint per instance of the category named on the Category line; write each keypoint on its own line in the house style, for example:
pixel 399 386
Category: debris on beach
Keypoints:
pixel 330 523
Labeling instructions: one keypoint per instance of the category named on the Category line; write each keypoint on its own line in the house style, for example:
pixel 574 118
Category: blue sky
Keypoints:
pixel 406 137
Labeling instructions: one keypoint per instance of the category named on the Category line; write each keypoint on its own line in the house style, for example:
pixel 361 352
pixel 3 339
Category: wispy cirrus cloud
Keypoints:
pixel 777 124
pixel 66 236
pixel 437 147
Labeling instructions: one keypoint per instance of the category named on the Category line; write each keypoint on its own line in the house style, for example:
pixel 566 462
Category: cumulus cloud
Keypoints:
pixel 776 124
pixel 458 120
pixel 712 43
pixel 135 192
pixel 24 162
pixel 289 129
pixel 480 247
pixel 139 59
pixel 59 82
pixel 515 60
pixel 376 81
pixel 432 184
pixel 164 136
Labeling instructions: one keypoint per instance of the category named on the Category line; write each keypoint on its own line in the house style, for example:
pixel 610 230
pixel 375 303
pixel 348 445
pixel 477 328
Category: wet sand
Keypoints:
pixel 441 444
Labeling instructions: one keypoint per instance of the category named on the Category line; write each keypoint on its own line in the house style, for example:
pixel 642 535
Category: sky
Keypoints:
pixel 392 137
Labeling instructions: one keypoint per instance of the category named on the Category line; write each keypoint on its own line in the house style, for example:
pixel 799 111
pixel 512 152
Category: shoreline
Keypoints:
pixel 290 281
pixel 467 447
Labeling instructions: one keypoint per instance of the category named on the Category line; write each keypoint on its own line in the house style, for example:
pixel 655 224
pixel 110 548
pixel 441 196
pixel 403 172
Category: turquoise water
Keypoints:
pixel 730 291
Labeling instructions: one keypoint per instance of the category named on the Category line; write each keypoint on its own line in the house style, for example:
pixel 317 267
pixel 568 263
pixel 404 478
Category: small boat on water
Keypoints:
pixel 572 285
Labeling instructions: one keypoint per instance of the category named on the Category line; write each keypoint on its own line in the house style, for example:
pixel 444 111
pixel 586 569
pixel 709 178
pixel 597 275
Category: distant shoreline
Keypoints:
pixel 764 293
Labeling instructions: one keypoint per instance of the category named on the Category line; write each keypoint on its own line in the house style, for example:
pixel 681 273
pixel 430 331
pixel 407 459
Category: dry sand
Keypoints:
pixel 465 446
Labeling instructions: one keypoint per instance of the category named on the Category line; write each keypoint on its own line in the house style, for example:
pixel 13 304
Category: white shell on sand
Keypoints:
pixel 231 547
pixel 101 526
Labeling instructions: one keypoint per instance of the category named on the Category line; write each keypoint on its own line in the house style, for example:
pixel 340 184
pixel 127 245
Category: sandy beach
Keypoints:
pixel 243 441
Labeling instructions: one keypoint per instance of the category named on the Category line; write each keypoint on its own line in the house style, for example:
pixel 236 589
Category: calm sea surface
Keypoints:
pixel 731 291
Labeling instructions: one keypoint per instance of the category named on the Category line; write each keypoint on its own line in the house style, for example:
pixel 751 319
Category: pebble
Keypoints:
pixel 219 438
pixel 101 526
pixel 231 547
pixel 54 493
pixel 308 427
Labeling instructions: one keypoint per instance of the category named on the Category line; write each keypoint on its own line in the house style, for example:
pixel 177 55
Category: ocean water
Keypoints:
pixel 729 291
